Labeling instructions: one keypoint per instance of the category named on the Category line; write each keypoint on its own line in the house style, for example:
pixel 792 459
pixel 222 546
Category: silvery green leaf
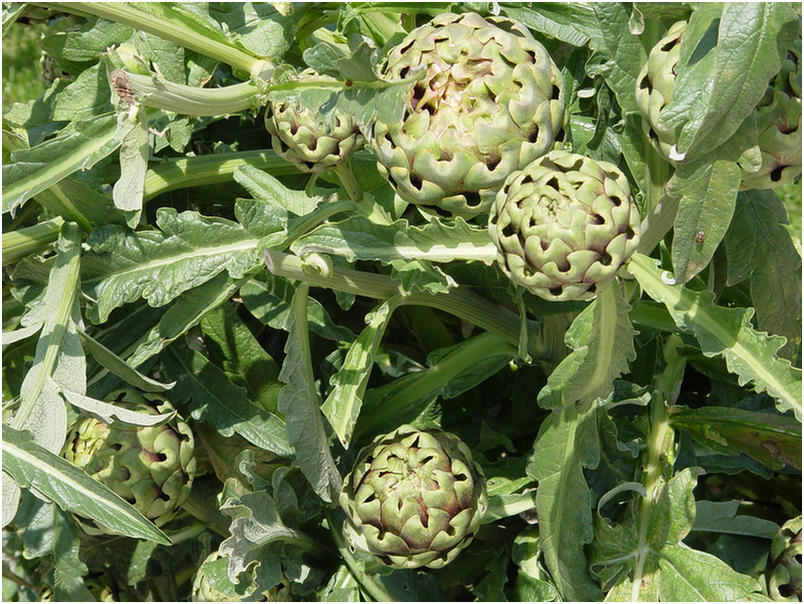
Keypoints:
pixel 109 413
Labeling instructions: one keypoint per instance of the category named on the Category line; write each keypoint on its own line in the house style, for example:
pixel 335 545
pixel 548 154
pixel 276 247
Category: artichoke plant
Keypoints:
pixel 563 225
pixel 784 577
pixel 654 87
pixel 151 467
pixel 414 498
pixel 490 102
pixel 311 140
pixel 778 118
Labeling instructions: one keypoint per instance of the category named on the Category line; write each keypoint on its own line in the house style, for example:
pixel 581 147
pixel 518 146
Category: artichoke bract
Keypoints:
pixel 311 140
pixel 778 118
pixel 151 467
pixel 654 87
pixel 784 576
pixel 414 498
pixel 490 102
pixel 563 225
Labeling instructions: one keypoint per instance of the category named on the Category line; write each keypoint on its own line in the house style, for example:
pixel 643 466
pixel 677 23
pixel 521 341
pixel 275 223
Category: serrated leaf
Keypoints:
pixel 567 442
pixel 209 396
pixel 357 238
pixel 300 401
pixel 602 343
pixel 188 251
pixel 726 332
pixel 78 147
pixel 72 489
pixel 59 360
pixel 342 406
pixel 659 567
pixel 619 54
pixel 255 526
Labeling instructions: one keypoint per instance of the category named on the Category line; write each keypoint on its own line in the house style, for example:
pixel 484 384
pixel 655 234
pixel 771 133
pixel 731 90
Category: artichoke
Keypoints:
pixel 563 225
pixel 490 102
pixel 151 467
pixel 414 498
pixel 784 578
pixel 312 140
pixel 655 84
pixel 778 118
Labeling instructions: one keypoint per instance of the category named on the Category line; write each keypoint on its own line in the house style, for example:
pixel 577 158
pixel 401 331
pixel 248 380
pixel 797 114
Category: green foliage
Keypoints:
pixel 639 441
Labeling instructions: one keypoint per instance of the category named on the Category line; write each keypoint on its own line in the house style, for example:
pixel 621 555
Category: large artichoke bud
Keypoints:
pixel 778 118
pixel 654 87
pixel 414 498
pixel 564 224
pixel 311 140
pixel 490 102
pixel 151 467
pixel 784 577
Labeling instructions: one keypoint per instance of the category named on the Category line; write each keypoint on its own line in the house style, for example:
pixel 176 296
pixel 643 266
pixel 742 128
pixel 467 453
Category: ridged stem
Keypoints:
pixel 459 302
pixel 183 99
pixel 29 240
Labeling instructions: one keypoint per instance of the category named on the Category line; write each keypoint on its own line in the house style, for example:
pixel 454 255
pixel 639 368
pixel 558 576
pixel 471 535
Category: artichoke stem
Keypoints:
pixel 367 581
pixel 172 174
pixel 660 451
pixel 182 99
pixel 348 181
pixel 459 302
pixel 30 240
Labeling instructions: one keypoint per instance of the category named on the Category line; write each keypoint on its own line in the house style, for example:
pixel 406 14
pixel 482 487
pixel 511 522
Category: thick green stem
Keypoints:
pixel 368 582
pixel 174 174
pixel 659 465
pixel 29 240
pixel 165 22
pixel 209 515
pixel 459 302
pixel 656 224
pixel 185 100
pixel 348 181
pixel 392 405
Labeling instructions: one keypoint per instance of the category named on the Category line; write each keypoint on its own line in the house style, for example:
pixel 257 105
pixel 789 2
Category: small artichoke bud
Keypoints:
pixel 311 140
pixel 778 118
pixel 563 225
pixel 490 102
pixel 655 83
pixel 414 498
pixel 151 467
pixel 784 572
